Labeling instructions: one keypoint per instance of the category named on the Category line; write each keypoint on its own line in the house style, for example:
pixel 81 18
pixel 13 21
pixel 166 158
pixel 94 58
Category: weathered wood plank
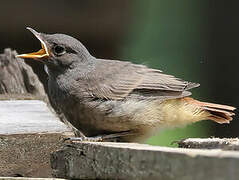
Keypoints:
pixel 136 161
pixel 27 178
pixel 210 143
pixel 33 116
pixel 29 132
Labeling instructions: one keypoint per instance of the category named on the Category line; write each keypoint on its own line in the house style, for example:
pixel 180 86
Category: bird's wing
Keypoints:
pixel 117 79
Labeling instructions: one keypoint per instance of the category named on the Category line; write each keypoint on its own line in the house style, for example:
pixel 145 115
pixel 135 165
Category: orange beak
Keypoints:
pixel 42 53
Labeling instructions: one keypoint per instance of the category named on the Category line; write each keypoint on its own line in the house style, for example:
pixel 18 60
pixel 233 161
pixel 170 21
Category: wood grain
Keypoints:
pixel 137 161
pixel 29 132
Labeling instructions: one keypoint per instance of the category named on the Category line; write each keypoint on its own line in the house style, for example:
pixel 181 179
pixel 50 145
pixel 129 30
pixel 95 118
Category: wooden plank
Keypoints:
pixel 27 178
pixel 33 116
pixel 29 132
pixel 137 161
pixel 210 143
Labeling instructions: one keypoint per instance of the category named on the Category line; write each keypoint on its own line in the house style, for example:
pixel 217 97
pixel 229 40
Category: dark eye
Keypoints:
pixel 59 50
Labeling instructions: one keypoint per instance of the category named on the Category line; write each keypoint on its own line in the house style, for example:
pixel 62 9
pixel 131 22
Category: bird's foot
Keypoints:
pixel 85 139
pixel 100 138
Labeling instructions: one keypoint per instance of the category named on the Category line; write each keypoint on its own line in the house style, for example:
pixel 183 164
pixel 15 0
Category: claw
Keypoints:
pixel 84 139
pixel 73 139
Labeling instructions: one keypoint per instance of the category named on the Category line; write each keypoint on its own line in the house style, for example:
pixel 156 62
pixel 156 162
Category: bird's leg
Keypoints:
pixel 76 131
pixel 100 138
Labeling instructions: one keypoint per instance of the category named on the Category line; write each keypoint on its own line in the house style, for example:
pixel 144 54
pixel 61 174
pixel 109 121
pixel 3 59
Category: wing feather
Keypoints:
pixel 117 79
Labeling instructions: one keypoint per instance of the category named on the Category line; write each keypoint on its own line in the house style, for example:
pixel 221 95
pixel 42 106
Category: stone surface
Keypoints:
pixel 210 143
pixel 29 132
pixel 137 161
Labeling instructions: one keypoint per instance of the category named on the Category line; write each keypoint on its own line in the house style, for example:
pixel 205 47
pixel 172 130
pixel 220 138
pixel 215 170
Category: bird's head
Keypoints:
pixel 58 50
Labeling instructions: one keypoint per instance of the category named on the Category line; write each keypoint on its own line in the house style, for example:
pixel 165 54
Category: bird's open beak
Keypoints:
pixel 42 53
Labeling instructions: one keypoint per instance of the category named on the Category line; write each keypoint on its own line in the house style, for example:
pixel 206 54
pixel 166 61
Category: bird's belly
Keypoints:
pixel 117 116
pixel 103 117
pixel 92 121
pixel 144 117
pixel 97 118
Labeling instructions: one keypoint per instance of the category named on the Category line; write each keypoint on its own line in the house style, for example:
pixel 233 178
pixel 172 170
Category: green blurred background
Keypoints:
pixel 193 40
pixel 168 35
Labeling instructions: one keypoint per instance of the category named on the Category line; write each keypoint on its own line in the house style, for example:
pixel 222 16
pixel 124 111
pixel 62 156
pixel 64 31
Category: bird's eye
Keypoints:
pixel 59 50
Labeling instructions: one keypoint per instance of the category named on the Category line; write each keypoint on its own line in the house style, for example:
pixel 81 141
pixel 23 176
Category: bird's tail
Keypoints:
pixel 215 112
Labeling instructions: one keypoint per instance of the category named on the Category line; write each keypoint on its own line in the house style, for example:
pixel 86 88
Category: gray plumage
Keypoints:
pixel 99 96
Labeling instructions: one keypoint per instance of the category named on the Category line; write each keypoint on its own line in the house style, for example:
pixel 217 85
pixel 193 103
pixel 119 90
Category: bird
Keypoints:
pixel 106 99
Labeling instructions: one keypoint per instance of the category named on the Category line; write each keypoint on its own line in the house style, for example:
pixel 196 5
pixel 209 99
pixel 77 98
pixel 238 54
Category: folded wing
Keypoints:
pixel 117 79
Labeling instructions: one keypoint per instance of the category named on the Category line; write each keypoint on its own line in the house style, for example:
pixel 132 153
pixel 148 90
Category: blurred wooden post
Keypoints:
pixel 18 78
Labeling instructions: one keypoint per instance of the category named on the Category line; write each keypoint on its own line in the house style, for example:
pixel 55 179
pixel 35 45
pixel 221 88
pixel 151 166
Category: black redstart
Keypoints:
pixel 117 98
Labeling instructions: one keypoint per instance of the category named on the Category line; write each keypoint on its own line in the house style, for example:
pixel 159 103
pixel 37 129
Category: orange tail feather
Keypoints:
pixel 217 112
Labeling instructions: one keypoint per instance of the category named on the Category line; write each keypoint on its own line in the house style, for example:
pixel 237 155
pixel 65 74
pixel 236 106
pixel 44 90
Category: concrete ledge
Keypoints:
pixel 137 161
